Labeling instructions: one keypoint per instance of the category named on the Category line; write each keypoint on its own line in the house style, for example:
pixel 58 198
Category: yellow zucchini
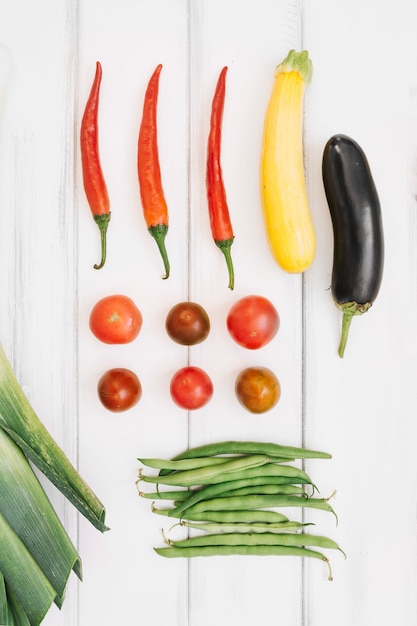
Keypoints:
pixel 288 222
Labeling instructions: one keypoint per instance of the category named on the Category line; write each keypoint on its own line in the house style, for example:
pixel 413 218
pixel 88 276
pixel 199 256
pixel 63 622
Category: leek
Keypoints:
pixel 27 509
pixel 19 420
pixel 29 584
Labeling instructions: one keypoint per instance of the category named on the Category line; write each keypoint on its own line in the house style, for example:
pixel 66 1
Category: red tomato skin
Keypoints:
pixel 253 322
pixel 115 319
pixel 191 388
pixel 119 389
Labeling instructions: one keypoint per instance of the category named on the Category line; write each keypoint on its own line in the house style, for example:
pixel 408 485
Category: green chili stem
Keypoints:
pixel 102 222
pixel 159 232
pixel 225 245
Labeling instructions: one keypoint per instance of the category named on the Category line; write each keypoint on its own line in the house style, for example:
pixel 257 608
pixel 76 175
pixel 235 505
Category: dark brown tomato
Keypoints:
pixel 187 323
pixel 257 389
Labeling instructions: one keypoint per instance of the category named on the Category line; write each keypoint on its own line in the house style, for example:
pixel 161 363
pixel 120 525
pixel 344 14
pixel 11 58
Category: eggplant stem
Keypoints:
pixel 346 321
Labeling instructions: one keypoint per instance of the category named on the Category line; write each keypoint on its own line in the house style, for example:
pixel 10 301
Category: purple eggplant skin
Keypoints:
pixel 358 251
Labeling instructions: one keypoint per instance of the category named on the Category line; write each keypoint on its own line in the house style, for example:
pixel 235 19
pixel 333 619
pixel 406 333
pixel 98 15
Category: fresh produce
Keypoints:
pixel 253 321
pixel 187 323
pixel 257 389
pixel 358 256
pixel 288 221
pixel 19 420
pixel 220 223
pixel 36 555
pixel 229 495
pixel 94 183
pixel 119 389
pixel 115 319
pixel 155 209
pixel 191 388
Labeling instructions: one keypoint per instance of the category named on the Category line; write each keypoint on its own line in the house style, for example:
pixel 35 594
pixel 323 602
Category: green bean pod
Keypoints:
pixel 205 551
pixel 241 527
pixel 176 496
pixel 205 475
pixel 168 466
pixel 222 488
pixel 254 539
pixel 249 516
pixel 258 502
pixel 252 447
pixel 186 464
pixel 289 472
pixel 260 490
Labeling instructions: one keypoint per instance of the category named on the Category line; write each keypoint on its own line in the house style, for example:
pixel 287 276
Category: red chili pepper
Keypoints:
pixel 220 223
pixel 94 183
pixel 154 205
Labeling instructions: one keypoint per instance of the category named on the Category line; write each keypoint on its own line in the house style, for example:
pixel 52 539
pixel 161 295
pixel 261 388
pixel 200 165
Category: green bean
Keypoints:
pixel 258 502
pixel 288 489
pixel 252 447
pixel 226 516
pixel 241 527
pixel 254 539
pixel 259 490
pixel 187 464
pixel 244 551
pixel 177 496
pixel 205 475
pixel 222 481
pixel 170 466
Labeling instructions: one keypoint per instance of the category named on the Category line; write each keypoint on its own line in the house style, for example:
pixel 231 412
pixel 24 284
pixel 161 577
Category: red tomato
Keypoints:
pixel 257 389
pixel 119 389
pixel 191 388
pixel 253 321
pixel 115 319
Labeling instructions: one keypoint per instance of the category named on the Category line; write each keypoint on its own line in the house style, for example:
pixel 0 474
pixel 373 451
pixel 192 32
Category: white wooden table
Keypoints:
pixel 361 408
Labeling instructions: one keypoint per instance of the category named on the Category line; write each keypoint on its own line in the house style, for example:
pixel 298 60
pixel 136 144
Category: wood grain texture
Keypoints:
pixel 361 408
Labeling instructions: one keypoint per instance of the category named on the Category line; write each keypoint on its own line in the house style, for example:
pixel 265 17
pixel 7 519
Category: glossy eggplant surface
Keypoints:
pixel 358 253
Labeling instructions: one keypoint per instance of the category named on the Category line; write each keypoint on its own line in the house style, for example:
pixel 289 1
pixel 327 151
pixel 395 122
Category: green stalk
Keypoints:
pixel 32 589
pixel 19 420
pixel 159 232
pixel 225 245
pixel 349 310
pixel 4 606
pixel 26 509
pixel 102 222
pixel 17 615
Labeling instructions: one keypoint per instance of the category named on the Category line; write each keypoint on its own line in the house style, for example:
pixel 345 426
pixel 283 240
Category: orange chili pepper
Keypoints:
pixel 94 183
pixel 220 223
pixel 154 205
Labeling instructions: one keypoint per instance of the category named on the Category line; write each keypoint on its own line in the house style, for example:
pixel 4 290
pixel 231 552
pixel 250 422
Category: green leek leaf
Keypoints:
pixel 19 420
pixel 25 578
pixel 6 618
pixel 18 616
pixel 26 509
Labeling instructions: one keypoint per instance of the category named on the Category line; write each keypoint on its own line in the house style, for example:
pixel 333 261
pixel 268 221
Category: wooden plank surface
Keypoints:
pixel 361 408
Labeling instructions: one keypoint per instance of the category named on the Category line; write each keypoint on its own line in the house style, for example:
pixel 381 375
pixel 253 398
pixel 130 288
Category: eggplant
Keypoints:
pixel 358 252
